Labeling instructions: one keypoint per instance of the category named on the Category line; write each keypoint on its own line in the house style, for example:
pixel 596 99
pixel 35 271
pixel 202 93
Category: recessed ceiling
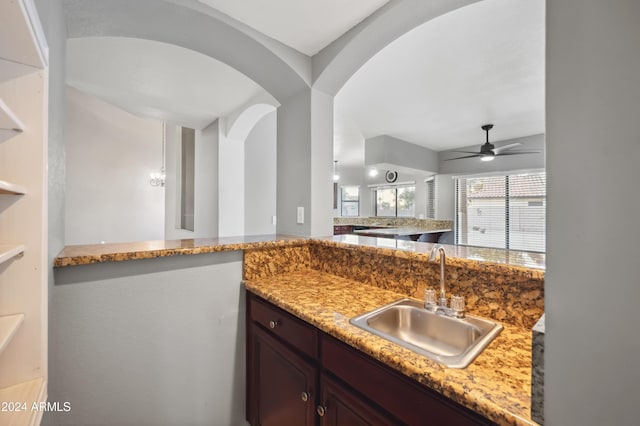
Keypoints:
pixel 436 85
pixel 157 80
pixel 305 25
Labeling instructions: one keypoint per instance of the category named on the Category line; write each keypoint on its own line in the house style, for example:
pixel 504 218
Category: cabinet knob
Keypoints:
pixel 304 396
pixel 273 324
pixel 321 410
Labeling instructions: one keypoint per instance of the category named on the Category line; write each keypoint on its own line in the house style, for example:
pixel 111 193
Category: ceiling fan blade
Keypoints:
pixel 518 153
pixel 466 156
pixel 466 152
pixel 499 149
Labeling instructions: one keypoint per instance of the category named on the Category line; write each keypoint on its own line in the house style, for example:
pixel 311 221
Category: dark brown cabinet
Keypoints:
pixel 282 384
pixel 298 375
pixel 339 406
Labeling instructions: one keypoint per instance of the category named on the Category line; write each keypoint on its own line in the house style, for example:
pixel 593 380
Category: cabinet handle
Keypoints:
pixel 304 396
pixel 321 410
pixel 273 324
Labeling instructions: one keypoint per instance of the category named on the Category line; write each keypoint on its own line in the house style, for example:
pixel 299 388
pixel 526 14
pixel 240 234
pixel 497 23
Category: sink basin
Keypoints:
pixel 451 341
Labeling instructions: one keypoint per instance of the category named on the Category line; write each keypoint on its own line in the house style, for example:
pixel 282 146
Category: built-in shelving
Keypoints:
pixel 11 188
pixel 10 125
pixel 23 282
pixel 25 394
pixel 20 40
pixel 9 324
pixel 8 252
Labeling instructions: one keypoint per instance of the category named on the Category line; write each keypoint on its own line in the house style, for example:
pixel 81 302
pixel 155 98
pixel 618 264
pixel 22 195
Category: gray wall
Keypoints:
pixel 150 342
pixel 260 177
pixel 390 150
pixel 52 19
pixel 593 152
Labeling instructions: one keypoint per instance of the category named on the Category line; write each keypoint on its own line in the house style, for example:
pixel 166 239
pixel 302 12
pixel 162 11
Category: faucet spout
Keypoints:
pixel 435 251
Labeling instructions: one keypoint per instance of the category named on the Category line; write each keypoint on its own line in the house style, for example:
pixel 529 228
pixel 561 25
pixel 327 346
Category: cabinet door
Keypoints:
pixel 339 406
pixel 282 383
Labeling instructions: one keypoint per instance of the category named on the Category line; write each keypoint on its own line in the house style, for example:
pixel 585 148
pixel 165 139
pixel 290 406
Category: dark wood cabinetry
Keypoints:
pixel 340 406
pixel 282 383
pixel 342 229
pixel 298 375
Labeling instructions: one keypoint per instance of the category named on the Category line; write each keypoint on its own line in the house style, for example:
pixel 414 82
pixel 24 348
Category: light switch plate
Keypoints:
pixel 300 216
pixel 273 220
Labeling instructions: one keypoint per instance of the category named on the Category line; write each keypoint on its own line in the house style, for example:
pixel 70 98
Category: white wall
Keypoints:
pixel 150 342
pixel 231 184
pixel 260 177
pixel 205 184
pixel 593 152
pixel 109 155
pixel 445 197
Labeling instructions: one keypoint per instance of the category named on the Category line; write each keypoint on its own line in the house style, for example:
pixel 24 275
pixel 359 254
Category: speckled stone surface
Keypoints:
pixel 496 385
pixel 537 372
pixel 118 252
pixel 265 262
pixel 507 292
pixel 427 224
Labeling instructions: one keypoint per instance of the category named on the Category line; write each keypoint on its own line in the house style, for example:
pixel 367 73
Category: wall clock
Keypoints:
pixel 391 176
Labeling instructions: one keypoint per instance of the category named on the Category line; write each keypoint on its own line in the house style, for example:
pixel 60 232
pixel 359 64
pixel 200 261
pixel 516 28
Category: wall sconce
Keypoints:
pixel 158 179
pixel 336 176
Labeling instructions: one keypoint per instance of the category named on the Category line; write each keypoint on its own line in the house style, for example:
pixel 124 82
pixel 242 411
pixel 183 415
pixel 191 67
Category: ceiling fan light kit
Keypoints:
pixel 488 151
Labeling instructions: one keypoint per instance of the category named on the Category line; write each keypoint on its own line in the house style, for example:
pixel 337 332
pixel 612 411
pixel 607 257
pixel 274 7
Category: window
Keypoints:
pixel 431 198
pixel 350 201
pixel 502 211
pixel 396 201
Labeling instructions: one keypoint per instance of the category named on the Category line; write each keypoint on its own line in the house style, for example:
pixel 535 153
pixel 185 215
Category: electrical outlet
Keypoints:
pixel 300 216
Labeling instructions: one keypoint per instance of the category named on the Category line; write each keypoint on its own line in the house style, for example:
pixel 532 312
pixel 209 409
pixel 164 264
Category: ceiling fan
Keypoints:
pixel 488 151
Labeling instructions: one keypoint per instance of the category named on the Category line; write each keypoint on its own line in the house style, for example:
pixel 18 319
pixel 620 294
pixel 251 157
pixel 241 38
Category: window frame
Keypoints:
pixel 374 190
pixel 342 200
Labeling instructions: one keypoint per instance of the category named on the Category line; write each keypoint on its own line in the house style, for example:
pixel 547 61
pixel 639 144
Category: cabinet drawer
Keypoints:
pixel 292 330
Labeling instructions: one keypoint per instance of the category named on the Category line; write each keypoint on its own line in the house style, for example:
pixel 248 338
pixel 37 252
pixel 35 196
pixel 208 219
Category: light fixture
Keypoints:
pixel 373 172
pixel 336 176
pixel 488 157
pixel 158 179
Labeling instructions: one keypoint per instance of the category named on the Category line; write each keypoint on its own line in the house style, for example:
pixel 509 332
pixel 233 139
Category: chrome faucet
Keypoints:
pixel 442 300
pixel 457 302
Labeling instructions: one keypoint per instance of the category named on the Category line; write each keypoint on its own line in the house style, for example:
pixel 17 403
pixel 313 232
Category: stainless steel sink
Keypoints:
pixel 451 341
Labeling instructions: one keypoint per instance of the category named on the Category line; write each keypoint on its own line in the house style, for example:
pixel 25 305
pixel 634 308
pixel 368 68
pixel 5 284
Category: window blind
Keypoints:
pixel 431 198
pixel 502 211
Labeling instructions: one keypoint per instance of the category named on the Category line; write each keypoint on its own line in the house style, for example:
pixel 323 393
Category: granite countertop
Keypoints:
pixel 477 258
pixel 496 385
pixel 399 231
pixel 116 252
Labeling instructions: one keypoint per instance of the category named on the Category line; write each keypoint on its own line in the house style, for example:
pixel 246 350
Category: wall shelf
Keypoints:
pixel 24 79
pixel 30 392
pixel 8 252
pixel 11 188
pixel 9 324
pixel 10 124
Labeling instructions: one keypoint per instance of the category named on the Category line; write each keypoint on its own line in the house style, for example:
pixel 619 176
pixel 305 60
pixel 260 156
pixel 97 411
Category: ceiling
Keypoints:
pixel 436 85
pixel 136 75
pixel 305 25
